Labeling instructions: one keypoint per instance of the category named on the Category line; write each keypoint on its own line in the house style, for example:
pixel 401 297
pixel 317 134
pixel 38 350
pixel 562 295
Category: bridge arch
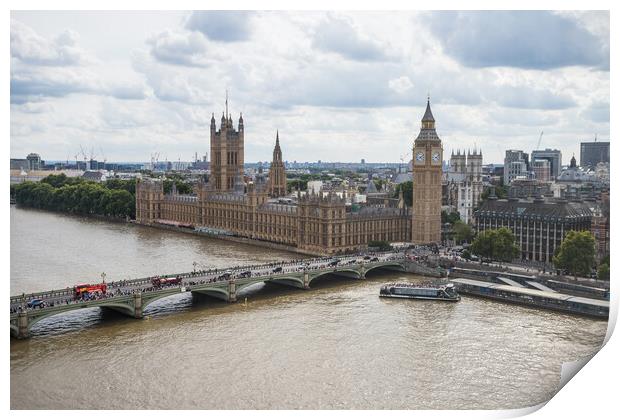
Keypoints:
pixel 389 265
pixel 147 299
pixel 216 292
pixel 353 273
pixel 293 281
pixel 36 317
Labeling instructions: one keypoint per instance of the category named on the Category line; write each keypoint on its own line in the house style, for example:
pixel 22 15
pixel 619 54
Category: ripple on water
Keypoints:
pixel 336 346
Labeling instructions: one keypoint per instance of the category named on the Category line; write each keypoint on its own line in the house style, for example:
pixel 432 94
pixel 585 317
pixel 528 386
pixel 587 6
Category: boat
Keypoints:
pixel 445 292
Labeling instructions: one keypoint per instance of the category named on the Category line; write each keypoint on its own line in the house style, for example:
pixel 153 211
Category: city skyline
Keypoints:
pixel 339 87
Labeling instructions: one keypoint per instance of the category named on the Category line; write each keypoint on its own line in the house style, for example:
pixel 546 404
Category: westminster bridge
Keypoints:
pixel 131 297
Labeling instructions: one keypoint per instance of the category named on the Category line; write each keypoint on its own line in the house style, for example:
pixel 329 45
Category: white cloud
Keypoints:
pixel 225 26
pixel 181 48
pixel 401 84
pixel 338 35
pixel 338 87
pixel 30 47
pixel 522 39
pixel 41 68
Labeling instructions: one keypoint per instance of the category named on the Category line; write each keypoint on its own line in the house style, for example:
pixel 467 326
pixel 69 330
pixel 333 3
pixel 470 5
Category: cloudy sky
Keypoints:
pixel 338 86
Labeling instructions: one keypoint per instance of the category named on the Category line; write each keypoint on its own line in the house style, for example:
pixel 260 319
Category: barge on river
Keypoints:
pixel 445 292
pixel 533 297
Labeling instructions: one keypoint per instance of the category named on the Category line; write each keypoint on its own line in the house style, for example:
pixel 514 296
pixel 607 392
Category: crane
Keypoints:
pixel 539 140
pixel 402 161
pixel 85 158
pixel 154 160
pixel 105 159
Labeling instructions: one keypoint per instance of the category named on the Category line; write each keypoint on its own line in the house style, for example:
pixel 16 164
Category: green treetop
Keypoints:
pixel 576 254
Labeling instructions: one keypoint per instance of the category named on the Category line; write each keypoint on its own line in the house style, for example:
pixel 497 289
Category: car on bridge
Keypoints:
pixel 224 276
pixel 245 274
pixel 36 303
pixel 332 263
pixel 277 270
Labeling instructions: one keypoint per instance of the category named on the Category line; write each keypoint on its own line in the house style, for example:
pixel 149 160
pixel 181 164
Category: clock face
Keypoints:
pixel 419 157
pixel 436 156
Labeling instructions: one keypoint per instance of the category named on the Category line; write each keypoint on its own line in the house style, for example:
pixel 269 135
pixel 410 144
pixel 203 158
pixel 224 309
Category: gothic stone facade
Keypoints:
pixel 427 174
pixel 227 154
pixel 319 224
pixel 465 183
pixel 314 224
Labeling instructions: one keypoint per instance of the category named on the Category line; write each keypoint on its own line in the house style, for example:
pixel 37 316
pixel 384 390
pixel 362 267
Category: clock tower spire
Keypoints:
pixel 427 170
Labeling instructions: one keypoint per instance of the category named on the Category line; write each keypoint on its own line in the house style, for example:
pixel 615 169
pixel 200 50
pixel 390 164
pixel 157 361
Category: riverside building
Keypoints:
pixel 316 222
pixel 539 225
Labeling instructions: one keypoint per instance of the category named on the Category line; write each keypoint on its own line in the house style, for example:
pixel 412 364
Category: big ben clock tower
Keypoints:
pixel 427 162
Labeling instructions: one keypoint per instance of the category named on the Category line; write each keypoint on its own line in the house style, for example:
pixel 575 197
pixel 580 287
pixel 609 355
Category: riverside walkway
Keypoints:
pixel 131 297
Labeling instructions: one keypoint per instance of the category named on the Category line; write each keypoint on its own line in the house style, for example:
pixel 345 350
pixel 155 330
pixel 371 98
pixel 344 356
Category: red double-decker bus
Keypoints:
pixel 158 281
pixel 82 290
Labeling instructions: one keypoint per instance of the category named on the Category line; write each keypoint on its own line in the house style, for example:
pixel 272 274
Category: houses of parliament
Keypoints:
pixel 319 223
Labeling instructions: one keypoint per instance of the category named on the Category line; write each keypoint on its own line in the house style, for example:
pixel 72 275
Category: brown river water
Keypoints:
pixel 337 346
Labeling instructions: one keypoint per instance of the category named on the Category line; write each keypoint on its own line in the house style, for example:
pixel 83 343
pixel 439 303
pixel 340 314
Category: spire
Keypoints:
pixel 371 187
pixel 427 131
pixel 226 101
pixel 428 115
pixel 401 199
pixel 277 138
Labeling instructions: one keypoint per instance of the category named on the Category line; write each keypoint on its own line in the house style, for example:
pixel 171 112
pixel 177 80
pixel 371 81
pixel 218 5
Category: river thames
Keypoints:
pixel 337 346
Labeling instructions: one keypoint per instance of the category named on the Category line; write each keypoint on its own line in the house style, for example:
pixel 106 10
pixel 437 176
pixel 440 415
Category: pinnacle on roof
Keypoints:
pixel 428 115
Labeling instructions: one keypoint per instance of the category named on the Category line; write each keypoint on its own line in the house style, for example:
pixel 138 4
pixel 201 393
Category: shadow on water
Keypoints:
pixel 179 304
pixel 77 320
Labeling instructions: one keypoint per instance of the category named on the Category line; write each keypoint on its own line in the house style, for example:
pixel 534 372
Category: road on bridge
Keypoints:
pixel 129 287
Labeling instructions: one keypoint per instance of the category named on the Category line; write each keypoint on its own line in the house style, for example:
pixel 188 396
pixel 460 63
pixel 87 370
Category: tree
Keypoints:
pixel 462 232
pixel 576 253
pixel 501 191
pixel 605 260
pixel 293 184
pixel 451 218
pixel 407 188
pixel 74 195
pixel 603 272
pixel 182 186
pixel 495 244
pixel 128 185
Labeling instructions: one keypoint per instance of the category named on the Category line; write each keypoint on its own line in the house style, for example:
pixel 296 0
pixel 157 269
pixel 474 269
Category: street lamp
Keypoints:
pixel 194 264
pixel 103 275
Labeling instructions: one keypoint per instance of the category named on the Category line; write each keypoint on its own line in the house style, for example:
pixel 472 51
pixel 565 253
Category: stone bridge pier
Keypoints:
pixel 134 303
pixel 137 305
pixel 232 291
pixel 22 325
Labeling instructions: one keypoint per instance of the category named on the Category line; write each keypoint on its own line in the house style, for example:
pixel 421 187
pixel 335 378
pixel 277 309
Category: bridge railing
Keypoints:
pixel 68 291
